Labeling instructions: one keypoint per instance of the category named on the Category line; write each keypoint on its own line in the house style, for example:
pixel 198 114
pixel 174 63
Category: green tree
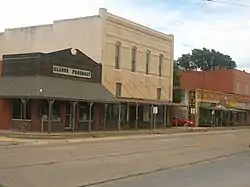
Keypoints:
pixel 205 59
pixel 177 92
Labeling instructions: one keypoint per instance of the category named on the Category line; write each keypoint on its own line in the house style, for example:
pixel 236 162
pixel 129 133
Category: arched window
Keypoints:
pixel 117 55
pixel 148 54
pixel 133 59
pixel 161 57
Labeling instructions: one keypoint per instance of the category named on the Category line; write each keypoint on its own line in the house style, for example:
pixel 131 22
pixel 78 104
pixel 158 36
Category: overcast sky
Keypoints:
pixel 195 23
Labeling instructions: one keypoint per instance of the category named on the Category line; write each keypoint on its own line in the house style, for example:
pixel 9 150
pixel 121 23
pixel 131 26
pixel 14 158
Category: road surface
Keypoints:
pixel 132 161
pixel 229 171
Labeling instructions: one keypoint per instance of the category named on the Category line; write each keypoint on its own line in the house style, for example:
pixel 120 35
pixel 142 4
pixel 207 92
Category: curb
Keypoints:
pixel 111 134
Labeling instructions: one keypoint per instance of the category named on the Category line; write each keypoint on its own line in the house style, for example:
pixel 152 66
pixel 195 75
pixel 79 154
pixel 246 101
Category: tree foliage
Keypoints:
pixel 205 59
pixel 177 92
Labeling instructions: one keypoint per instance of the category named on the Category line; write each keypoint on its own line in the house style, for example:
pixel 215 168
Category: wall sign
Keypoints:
pixel 71 71
pixel 191 104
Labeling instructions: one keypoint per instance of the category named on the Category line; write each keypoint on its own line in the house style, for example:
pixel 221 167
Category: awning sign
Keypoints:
pixel 71 71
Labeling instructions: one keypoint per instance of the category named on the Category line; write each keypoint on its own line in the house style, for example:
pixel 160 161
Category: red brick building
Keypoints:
pixel 227 81
pixel 225 91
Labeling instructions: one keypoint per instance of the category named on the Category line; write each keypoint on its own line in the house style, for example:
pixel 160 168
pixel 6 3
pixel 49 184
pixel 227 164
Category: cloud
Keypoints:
pixel 195 23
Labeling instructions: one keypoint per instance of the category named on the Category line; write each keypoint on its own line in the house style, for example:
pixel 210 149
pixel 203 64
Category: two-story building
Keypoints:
pixel 137 62
pixel 222 96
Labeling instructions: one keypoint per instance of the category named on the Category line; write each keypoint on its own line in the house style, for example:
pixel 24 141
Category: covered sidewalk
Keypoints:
pixel 35 114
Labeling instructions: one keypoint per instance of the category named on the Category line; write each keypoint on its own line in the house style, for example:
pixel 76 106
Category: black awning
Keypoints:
pixel 53 88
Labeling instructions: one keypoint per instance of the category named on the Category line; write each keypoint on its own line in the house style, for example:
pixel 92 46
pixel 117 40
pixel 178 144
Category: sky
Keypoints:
pixel 194 23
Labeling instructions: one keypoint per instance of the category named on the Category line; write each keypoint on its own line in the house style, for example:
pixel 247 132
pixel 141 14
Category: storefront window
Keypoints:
pixel 84 112
pixel 18 109
pixel 113 112
pixel 56 110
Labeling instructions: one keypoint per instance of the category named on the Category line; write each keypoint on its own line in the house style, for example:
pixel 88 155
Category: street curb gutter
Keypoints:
pixel 61 136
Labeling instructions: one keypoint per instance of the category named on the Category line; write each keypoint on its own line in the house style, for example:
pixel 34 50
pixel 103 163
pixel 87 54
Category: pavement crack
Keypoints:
pixel 93 158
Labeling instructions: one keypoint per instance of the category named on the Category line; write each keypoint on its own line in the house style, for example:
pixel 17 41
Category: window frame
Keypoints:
pixel 161 58
pixel 117 55
pixel 21 109
pixel 133 58
pixel 158 93
pixel 148 58
pixel 118 89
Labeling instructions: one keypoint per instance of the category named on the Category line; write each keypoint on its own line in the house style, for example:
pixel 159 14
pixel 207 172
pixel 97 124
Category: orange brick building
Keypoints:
pixel 230 88
pixel 226 81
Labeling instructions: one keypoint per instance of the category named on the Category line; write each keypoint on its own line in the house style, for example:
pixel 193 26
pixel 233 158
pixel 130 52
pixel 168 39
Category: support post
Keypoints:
pixel 119 117
pixel 152 117
pixel 136 116
pixel 127 112
pixel 90 116
pixel 24 102
pixel 74 103
pixel 51 101
pixel 105 116
pixel 165 116
pixel 228 118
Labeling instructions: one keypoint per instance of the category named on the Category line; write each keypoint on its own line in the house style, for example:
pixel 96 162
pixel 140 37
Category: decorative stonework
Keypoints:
pixel 140 28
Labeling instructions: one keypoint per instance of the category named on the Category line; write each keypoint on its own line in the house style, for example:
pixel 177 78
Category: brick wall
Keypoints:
pixel 227 81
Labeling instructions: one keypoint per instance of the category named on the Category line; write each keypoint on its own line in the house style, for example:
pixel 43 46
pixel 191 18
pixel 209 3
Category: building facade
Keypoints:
pixel 221 96
pixel 237 81
pixel 135 59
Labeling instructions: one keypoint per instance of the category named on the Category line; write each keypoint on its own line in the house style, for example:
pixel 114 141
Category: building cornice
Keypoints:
pixel 143 29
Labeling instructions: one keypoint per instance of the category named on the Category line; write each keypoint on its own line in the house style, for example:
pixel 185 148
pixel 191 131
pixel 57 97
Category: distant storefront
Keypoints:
pixel 219 109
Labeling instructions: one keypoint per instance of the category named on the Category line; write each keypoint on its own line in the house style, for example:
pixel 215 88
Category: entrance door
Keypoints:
pixel 69 116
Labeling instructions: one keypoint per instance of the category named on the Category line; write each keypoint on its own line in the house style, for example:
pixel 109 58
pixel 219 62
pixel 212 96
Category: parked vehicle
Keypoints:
pixel 182 122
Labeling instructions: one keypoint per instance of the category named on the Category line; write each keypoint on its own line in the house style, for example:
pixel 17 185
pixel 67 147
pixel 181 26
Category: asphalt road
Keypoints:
pixel 159 160
pixel 229 171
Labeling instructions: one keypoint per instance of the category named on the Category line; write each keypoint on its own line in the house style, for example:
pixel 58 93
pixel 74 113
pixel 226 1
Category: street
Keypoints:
pixel 230 171
pixel 194 159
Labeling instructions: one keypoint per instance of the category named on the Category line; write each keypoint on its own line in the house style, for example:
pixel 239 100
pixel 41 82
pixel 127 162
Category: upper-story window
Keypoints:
pixel 161 57
pixel 158 93
pixel 117 55
pixel 133 59
pixel 148 53
pixel 118 89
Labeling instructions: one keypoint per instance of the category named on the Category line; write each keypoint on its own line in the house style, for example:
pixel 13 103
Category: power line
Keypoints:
pixel 228 3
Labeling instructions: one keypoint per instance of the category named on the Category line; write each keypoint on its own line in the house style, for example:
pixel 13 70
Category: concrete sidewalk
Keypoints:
pixel 103 134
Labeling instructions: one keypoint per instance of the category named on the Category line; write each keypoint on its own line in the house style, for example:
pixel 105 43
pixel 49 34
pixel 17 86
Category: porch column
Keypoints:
pixel 221 117
pixel 165 116
pixel 105 116
pixel 127 112
pixel 119 117
pixel 152 117
pixel 242 118
pixel 136 116
pixel 74 115
pixel 228 118
pixel 90 116
pixel 169 115
pixel 24 102
pixel 248 119
pixel 51 101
